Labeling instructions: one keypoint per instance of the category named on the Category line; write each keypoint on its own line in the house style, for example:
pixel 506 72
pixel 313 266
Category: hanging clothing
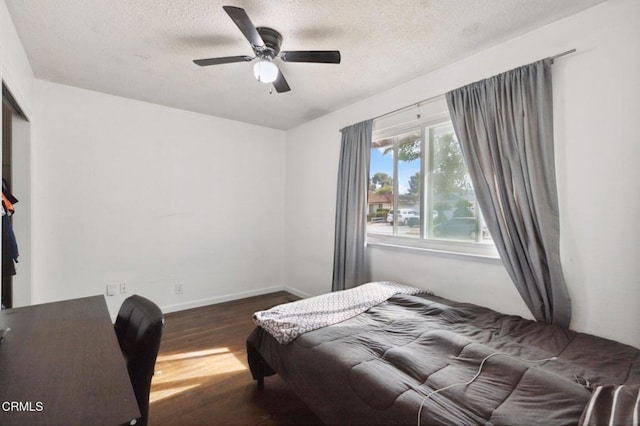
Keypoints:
pixel 7 205
pixel 7 192
pixel 9 248
pixel 10 251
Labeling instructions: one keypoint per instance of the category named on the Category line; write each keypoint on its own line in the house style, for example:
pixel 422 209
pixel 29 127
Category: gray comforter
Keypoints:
pixel 381 367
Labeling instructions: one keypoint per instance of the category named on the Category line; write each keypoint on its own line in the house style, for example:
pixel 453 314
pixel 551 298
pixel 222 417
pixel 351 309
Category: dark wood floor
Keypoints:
pixel 202 376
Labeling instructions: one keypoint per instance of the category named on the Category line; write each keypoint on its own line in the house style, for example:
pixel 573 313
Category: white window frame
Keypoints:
pixel 482 251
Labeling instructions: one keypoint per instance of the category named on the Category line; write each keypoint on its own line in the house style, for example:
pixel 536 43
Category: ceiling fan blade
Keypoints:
pixel 224 60
pixel 241 19
pixel 317 56
pixel 281 84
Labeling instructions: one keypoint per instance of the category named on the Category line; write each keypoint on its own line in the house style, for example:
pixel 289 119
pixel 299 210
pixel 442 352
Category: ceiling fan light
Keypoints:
pixel 265 71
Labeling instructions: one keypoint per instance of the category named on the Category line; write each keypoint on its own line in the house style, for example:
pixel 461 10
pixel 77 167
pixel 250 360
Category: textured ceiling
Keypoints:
pixel 143 49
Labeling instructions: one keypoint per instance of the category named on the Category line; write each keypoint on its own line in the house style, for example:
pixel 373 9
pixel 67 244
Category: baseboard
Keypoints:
pixel 220 299
pixel 296 292
pixel 233 296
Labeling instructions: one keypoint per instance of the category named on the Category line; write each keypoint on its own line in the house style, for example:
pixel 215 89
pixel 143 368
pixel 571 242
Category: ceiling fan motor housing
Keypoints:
pixel 272 41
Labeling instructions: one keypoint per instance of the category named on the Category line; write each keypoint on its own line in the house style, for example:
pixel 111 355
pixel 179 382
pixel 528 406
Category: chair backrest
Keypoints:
pixel 139 330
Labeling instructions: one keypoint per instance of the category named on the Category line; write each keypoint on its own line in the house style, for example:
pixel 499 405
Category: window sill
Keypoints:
pixel 454 250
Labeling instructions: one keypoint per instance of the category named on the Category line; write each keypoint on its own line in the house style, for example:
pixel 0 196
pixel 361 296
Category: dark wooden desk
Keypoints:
pixel 61 364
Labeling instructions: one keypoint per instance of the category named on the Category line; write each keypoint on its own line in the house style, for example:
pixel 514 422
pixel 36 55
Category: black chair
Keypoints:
pixel 139 330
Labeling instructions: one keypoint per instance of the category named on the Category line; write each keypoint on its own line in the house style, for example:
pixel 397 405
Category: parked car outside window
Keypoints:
pixel 407 217
pixel 458 227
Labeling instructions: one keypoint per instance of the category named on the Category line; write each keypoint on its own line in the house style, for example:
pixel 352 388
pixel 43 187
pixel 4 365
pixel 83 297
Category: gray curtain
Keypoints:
pixel 505 128
pixel 349 262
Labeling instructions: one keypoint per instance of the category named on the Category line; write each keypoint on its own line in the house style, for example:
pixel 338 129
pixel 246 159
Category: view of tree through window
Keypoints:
pixel 440 205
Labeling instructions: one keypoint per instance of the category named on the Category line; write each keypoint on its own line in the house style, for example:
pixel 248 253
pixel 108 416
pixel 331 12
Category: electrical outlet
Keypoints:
pixel 112 289
pixel 179 288
pixel 123 287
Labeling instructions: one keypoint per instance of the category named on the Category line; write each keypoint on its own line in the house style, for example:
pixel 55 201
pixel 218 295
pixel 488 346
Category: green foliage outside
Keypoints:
pixel 449 171
pixel 380 180
pixel 382 213
pixel 449 174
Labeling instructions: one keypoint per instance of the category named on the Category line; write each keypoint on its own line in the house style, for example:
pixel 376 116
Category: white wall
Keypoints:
pixel 126 191
pixel 596 112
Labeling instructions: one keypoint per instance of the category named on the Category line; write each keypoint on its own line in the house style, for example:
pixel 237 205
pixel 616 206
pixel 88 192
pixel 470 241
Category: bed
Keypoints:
pixel 419 359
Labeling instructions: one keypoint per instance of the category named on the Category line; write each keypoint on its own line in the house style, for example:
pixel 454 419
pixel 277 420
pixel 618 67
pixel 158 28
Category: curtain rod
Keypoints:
pixel 554 57
pixel 417 104
pixel 413 105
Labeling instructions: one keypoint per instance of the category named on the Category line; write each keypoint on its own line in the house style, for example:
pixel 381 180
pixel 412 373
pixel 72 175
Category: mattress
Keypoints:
pixel 422 359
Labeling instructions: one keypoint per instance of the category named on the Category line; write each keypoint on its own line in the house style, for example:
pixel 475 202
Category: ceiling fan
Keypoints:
pixel 265 43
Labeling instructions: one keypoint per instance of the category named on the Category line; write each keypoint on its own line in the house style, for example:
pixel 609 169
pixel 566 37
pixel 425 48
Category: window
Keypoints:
pixel 420 191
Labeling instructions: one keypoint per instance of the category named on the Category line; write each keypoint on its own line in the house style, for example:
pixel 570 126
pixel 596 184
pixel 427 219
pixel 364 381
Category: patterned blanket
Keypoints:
pixel 287 321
